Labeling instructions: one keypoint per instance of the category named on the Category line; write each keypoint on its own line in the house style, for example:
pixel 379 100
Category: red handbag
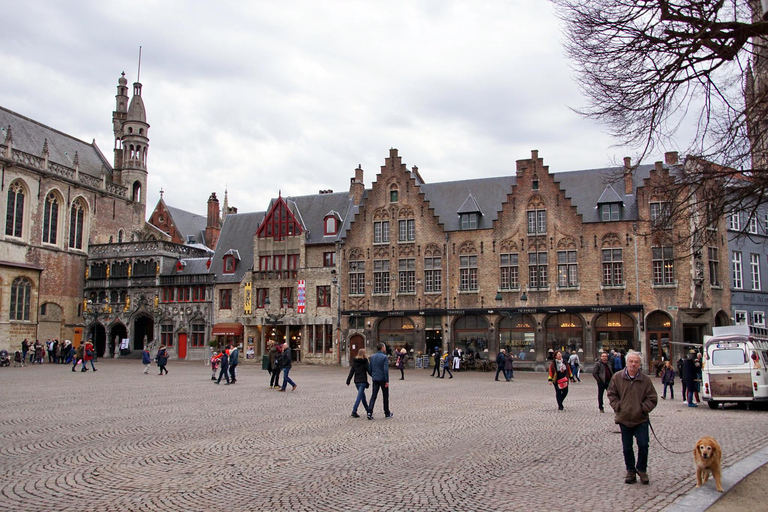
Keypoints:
pixel 562 383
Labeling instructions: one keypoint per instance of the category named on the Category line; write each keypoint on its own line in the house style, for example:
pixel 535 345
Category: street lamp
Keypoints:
pixel 273 318
pixel 94 311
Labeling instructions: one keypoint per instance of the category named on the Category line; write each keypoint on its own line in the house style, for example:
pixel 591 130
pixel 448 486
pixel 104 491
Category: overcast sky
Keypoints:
pixel 266 96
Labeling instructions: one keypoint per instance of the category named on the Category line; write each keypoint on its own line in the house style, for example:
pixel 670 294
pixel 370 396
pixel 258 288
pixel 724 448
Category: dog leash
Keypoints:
pixel 660 444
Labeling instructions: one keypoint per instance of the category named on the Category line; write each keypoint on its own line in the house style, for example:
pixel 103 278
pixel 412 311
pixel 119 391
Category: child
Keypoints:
pixel 668 379
pixel 215 364
pixel 146 360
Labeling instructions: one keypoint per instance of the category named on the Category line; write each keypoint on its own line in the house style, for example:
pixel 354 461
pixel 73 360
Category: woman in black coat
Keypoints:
pixel 360 371
pixel 689 377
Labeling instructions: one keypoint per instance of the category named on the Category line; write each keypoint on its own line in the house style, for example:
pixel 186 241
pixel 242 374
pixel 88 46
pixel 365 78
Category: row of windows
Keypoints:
pixel 737 271
pixel 183 294
pixel 509 271
pixel 260 296
pixel 197 338
pixel 757 318
pixel 753 225
pixel 122 269
pixel 14 217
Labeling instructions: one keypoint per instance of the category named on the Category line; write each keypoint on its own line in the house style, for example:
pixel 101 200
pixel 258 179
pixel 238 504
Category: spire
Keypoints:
pixel 225 206
pixel 8 136
pixel 45 152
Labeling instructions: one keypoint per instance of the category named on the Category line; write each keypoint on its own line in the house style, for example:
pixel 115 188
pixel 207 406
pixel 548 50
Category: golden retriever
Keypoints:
pixel 707 455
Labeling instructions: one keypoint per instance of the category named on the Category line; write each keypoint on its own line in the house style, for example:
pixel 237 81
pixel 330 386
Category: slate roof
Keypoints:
pixel 236 234
pixel 193 266
pixel 189 224
pixel 470 206
pixel 311 211
pixel 609 195
pixel 448 197
pixel 29 136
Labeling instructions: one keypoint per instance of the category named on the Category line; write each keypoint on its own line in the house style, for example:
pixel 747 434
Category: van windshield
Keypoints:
pixel 725 357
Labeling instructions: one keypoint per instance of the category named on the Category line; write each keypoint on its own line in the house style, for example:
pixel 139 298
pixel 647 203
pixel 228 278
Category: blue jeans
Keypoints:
pixel 499 369
pixel 286 379
pixel 224 372
pixel 360 397
pixel 575 372
pixel 671 386
pixel 509 374
pixel 85 364
pixel 628 434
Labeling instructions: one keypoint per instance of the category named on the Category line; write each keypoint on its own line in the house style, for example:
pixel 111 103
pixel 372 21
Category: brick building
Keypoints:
pixel 533 262
pixel 61 195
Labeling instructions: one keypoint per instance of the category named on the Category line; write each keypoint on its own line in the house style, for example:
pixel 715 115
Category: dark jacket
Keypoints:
pixel 379 367
pixel 402 360
pixel 360 370
pixel 690 372
pixel 668 377
pixel 274 359
pixel 632 400
pixel 500 358
pixel 508 361
pixel 234 356
pixel 285 358
pixel 162 357
pixel 145 358
pixel 600 374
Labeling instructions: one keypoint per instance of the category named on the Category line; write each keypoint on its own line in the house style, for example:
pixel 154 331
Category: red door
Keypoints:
pixel 182 346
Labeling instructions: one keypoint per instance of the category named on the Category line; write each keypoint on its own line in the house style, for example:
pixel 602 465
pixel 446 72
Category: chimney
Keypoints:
pixel 671 158
pixel 628 188
pixel 356 186
pixel 213 224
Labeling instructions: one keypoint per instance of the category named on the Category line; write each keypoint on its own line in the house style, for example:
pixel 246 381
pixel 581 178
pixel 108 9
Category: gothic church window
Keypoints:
pixel 14 217
pixel 50 219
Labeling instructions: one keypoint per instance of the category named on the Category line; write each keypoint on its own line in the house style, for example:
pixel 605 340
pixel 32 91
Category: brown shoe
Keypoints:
pixel 631 477
pixel 643 478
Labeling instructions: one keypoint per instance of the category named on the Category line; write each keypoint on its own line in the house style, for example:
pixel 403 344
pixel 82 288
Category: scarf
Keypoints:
pixel 560 365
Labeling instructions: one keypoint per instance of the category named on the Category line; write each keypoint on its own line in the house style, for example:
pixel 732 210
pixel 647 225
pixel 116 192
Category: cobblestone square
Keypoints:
pixel 121 440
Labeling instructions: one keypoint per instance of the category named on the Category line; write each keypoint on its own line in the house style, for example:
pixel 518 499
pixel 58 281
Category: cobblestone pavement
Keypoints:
pixel 121 440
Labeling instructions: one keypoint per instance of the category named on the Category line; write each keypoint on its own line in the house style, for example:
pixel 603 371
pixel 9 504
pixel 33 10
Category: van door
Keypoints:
pixel 758 363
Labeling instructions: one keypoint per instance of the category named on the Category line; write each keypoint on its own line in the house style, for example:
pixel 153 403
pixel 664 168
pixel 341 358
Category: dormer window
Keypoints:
pixel 609 212
pixel 229 264
pixel 331 225
pixel 469 221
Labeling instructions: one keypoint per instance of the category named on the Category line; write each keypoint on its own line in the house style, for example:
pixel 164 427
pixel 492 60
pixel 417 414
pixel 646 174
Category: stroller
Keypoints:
pixel 5 359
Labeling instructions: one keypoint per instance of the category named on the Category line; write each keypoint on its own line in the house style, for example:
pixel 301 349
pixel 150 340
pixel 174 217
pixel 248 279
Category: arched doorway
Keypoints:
pixel 117 333
pixel 143 327
pixel 356 342
pixel 98 336
pixel 658 325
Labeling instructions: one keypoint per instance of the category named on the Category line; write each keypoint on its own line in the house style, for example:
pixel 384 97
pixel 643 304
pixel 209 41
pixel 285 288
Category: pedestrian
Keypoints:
pixel 17 359
pixel 214 364
pixel 668 379
pixel 689 377
pixel 438 361
pixel 146 360
pixel 49 348
pixel 274 366
pixel 24 351
pixel 79 353
pixel 575 364
pixel 224 364
pixel 618 361
pixel 509 370
pixel 501 357
pixel 559 375
pixel 88 355
pixel 56 348
pixel 162 359
pixel 632 397
pixel 39 352
pixel 602 372
pixel 697 381
pixel 457 353
pixel 379 367
pixel 360 370
pixel 402 361
pixel 286 363
pixel 234 357
pixel 680 366
pixel 447 364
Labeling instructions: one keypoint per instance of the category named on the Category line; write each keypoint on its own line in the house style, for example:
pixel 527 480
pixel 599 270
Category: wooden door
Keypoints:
pixel 182 345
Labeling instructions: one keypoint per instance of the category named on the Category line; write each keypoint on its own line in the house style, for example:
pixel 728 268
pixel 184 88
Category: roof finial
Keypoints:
pixel 161 192
pixel 138 74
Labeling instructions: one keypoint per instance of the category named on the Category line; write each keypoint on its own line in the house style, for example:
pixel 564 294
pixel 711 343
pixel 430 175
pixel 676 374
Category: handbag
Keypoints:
pixel 562 383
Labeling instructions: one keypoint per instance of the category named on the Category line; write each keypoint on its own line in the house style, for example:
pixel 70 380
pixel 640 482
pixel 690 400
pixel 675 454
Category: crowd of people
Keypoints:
pixel 57 353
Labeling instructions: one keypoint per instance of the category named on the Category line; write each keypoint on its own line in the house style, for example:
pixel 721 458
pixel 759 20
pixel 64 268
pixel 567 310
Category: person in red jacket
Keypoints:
pixel 88 356
pixel 559 376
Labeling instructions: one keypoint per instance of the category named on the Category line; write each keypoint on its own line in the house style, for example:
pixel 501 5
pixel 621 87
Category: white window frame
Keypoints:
pixel 737 278
pixel 754 267
pixel 740 317
pixel 758 318
pixel 734 221
pixel 752 224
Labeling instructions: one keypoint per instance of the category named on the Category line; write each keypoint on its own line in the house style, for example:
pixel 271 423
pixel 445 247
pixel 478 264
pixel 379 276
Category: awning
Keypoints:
pixel 227 329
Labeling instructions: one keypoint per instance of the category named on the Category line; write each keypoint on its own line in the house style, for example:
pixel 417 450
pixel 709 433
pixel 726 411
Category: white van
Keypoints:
pixel 735 365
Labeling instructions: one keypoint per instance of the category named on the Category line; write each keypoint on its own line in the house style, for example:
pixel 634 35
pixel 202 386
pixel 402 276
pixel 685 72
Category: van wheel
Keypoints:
pixel 713 405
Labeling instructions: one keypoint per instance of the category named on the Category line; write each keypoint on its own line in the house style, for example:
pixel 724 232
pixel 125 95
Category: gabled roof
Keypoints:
pixel 236 234
pixel 30 136
pixel 609 195
pixel 447 198
pixel 313 209
pixel 192 266
pixel 189 224
pixel 469 206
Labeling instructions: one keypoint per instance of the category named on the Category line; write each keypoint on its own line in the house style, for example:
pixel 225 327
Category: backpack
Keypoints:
pixel 617 363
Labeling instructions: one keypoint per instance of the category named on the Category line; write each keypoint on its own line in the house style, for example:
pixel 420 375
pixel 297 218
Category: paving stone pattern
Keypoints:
pixel 120 440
